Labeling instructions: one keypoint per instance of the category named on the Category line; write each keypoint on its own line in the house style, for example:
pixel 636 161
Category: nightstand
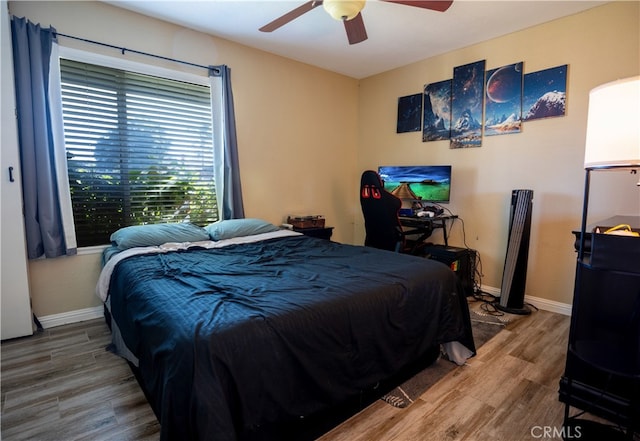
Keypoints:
pixel 320 232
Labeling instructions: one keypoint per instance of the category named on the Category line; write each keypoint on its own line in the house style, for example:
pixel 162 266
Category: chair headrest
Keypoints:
pixel 372 179
pixel 371 186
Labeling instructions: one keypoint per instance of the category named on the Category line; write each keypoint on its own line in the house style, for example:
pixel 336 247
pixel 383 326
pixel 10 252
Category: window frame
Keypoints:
pixel 141 68
pixel 133 66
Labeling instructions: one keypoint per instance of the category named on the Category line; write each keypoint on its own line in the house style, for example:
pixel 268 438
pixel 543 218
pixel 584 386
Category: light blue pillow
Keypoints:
pixel 227 229
pixel 157 234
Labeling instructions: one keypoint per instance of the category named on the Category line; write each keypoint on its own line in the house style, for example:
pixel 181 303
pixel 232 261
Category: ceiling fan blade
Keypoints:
pixel 434 5
pixel 356 32
pixel 290 16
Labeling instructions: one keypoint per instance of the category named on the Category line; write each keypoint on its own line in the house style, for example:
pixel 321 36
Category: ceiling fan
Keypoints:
pixel 348 11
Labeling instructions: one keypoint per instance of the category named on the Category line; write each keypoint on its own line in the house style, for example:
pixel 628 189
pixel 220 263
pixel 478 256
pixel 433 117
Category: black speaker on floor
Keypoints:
pixel 460 260
pixel 514 277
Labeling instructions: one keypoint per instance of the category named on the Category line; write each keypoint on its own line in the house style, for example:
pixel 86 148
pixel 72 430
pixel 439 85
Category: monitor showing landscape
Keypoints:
pixel 430 183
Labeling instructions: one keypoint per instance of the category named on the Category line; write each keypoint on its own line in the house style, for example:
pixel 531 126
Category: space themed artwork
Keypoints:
pixel 545 93
pixel 503 100
pixel 477 103
pixel 467 99
pixel 409 113
pixel 436 120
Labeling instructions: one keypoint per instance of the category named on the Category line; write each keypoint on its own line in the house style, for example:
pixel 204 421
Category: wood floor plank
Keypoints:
pixel 20 421
pixel 458 416
pixel 63 384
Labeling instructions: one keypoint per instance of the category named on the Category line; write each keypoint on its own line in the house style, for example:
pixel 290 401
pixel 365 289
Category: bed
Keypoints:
pixel 248 327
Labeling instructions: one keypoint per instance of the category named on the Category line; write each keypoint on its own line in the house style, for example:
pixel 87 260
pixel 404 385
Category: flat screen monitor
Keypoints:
pixel 429 183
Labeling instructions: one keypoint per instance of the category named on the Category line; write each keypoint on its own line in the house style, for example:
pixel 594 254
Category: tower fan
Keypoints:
pixel 514 276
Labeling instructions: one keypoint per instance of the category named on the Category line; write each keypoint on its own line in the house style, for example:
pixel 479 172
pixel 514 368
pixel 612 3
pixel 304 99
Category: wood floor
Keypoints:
pixel 61 384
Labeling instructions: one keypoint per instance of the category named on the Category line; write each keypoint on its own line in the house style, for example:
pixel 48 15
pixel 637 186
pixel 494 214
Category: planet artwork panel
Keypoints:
pixel 409 113
pixel 436 121
pixel 545 93
pixel 467 103
pixel 503 100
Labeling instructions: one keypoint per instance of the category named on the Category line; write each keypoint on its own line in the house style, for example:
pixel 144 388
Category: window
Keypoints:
pixel 139 150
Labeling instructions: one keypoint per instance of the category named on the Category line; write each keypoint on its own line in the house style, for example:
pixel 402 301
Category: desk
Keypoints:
pixel 424 226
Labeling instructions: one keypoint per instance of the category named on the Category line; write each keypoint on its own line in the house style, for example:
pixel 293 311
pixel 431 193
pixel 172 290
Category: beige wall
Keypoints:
pixel 297 130
pixel 305 135
pixel 599 45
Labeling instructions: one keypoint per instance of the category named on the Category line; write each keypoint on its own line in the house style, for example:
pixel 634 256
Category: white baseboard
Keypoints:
pixel 79 315
pixel 538 302
pixel 549 305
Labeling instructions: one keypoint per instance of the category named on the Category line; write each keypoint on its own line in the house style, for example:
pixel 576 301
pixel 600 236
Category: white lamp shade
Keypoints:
pixel 343 9
pixel 613 125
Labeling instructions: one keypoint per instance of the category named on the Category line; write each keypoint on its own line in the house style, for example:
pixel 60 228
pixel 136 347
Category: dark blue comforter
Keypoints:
pixel 236 337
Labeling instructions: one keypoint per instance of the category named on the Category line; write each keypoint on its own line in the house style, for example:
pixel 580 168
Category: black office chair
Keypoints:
pixel 380 210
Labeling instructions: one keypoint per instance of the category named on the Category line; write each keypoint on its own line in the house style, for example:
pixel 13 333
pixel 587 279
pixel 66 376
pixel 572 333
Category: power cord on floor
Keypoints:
pixel 488 300
pixel 476 265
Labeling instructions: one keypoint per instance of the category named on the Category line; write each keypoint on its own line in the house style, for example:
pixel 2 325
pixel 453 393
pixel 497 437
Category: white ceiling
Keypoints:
pixel 398 34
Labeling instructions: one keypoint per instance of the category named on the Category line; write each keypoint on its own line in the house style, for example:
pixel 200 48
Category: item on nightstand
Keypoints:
pixel 620 230
pixel 297 221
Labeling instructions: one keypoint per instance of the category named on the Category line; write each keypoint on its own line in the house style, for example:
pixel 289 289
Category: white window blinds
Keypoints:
pixel 139 150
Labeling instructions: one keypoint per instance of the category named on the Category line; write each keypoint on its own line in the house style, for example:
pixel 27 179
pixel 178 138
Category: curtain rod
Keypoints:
pixel 124 49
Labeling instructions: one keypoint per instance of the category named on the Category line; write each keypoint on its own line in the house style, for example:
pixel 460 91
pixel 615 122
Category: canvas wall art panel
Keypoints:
pixel 467 98
pixel 545 93
pixel 409 113
pixel 503 100
pixel 436 120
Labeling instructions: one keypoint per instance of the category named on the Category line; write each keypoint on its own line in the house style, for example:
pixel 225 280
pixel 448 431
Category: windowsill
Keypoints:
pixel 85 251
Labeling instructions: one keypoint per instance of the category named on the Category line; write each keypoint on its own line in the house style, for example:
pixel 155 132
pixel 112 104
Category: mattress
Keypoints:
pixel 230 337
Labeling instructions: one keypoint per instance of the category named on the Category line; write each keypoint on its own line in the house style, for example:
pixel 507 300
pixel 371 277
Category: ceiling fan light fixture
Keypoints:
pixel 343 9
